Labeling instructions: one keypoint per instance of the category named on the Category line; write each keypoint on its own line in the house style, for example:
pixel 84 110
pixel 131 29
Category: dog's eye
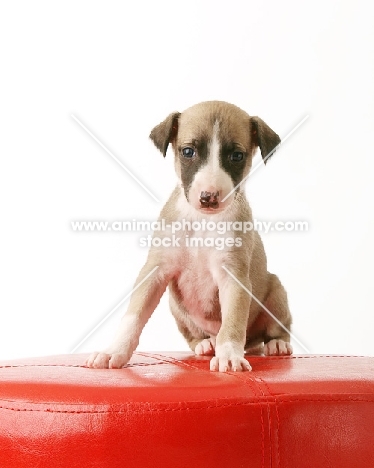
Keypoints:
pixel 188 152
pixel 237 156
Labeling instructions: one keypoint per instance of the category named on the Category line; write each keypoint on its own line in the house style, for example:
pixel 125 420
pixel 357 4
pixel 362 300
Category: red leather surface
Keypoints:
pixel 168 410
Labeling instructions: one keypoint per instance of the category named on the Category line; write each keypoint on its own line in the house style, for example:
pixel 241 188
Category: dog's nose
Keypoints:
pixel 209 199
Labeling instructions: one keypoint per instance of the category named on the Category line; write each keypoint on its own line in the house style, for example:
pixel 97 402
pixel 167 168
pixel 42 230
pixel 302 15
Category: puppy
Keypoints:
pixel 212 289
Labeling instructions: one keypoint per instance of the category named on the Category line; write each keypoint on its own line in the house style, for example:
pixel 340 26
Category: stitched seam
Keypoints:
pixel 277 414
pixel 319 356
pixel 135 364
pixel 247 383
pixel 40 365
pixel 252 384
pixel 262 439
pixel 160 410
pixel 170 360
pixel 265 385
pixel 269 413
pixel 187 362
pixel 257 390
pixel 132 409
pixel 343 400
pixel 191 359
pixel 278 431
pixel 263 425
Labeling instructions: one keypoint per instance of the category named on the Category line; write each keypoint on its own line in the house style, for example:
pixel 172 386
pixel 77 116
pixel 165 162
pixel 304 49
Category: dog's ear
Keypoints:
pixel 165 132
pixel 264 137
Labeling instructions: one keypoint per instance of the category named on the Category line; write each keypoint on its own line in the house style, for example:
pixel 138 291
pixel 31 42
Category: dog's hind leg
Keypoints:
pixel 202 345
pixel 277 338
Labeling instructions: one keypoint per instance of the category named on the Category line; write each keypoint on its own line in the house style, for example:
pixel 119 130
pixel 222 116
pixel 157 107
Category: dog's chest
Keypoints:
pixel 197 281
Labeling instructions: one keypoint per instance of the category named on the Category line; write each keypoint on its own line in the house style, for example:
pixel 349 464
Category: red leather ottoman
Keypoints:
pixel 168 410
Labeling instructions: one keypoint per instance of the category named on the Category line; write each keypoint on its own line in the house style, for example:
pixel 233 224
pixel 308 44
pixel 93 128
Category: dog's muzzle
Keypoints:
pixel 209 200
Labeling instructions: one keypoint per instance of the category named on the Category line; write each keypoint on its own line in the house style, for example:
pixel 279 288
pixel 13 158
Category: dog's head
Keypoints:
pixel 213 143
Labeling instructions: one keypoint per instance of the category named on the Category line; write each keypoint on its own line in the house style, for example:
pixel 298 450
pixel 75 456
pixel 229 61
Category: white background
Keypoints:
pixel 121 67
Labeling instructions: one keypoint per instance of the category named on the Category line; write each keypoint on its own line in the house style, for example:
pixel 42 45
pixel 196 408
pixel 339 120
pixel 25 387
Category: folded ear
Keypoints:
pixel 165 132
pixel 264 137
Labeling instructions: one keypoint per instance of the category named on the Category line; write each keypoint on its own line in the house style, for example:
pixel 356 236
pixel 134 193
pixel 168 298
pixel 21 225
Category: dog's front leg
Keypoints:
pixel 235 304
pixel 142 304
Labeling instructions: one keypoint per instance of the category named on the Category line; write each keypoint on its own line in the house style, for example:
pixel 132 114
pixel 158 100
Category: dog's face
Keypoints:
pixel 213 143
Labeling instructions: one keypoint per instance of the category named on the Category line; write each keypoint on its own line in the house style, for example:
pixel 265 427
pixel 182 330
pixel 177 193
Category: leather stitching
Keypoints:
pixel 161 410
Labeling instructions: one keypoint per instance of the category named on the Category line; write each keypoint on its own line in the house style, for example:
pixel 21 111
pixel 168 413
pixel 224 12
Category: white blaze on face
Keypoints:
pixel 211 177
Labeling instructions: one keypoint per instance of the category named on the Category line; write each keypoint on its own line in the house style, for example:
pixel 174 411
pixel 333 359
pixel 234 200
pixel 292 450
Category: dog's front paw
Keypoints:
pixel 107 361
pixel 229 358
pixel 277 348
